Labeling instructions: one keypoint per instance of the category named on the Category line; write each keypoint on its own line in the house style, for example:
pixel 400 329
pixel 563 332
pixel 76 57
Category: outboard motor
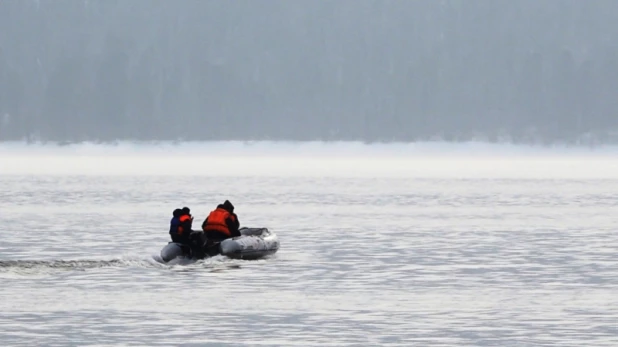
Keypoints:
pixel 212 248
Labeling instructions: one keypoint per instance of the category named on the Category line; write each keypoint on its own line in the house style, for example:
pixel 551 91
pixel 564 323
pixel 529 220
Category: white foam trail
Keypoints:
pixel 339 159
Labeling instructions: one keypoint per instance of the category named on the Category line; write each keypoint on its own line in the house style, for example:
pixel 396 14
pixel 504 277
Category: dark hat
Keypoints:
pixel 227 205
pixel 177 212
pixel 186 210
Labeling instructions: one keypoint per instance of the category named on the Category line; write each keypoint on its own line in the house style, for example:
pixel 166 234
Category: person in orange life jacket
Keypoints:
pixel 180 226
pixel 222 223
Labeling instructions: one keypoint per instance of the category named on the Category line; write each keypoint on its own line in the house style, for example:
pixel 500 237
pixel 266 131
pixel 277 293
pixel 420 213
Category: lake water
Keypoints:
pixel 376 250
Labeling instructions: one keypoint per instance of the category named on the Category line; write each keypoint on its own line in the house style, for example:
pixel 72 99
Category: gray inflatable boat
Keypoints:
pixel 254 243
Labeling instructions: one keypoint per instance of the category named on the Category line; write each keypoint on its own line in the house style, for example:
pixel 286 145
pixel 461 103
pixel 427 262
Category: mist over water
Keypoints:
pixel 315 159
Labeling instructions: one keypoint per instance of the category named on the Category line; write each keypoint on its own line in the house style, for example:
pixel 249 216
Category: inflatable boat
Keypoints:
pixel 254 243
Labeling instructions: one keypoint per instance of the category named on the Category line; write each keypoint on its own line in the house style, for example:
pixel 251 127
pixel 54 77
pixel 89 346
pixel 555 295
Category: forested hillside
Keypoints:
pixel 73 70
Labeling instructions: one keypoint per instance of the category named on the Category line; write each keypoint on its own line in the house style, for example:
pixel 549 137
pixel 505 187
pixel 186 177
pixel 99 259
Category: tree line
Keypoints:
pixel 527 70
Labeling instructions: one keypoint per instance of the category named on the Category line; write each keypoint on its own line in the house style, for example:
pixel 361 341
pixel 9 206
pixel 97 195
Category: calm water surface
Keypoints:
pixel 363 261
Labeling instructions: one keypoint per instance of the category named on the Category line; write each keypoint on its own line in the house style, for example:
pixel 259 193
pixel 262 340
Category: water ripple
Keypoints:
pixel 363 261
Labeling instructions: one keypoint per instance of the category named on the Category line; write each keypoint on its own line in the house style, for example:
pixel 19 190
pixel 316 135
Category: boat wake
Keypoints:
pixel 41 267
pixel 7 265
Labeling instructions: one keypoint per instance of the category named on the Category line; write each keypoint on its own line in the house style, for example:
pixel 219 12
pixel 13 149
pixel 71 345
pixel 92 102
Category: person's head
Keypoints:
pixel 186 210
pixel 177 213
pixel 227 205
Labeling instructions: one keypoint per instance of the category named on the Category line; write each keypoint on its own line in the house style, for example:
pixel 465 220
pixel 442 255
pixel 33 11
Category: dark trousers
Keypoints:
pixel 204 245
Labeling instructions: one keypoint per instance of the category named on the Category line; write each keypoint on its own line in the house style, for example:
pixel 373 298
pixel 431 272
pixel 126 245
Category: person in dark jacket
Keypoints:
pixel 174 223
pixel 222 223
pixel 180 226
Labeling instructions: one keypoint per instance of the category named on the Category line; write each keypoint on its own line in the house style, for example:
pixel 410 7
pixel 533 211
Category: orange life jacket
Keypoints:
pixel 184 218
pixel 216 221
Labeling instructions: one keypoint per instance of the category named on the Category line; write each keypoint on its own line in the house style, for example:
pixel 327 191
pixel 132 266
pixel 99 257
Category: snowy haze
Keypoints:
pixel 526 70
pixel 311 159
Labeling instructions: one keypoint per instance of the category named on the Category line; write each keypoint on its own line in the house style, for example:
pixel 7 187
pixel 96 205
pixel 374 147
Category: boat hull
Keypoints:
pixel 254 243
pixel 173 251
